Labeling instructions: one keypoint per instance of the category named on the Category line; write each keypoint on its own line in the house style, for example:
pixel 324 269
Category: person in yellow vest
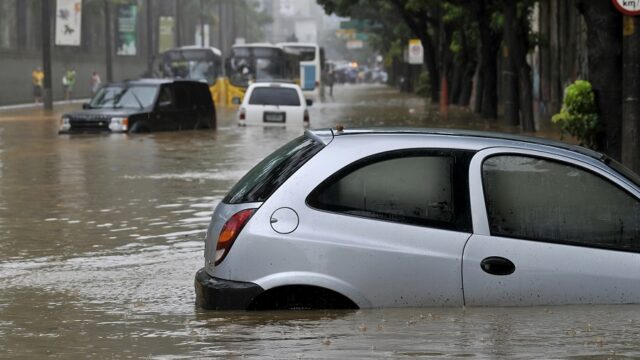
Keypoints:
pixel 37 80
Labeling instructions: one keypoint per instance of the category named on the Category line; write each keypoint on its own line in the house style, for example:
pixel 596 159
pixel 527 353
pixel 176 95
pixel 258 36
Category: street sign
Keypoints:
pixel 415 52
pixel 627 7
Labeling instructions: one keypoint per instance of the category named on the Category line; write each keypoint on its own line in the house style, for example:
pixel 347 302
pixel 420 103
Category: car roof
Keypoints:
pixel 298 44
pixel 269 45
pixel 483 138
pixel 197 47
pixel 275 84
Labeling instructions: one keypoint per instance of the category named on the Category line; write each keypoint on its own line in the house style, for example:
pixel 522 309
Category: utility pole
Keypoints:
pixel 47 95
pixel 234 35
pixel 631 92
pixel 178 29
pixel 220 28
pixel 202 23
pixel 150 39
pixel 108 40
pixel 246 10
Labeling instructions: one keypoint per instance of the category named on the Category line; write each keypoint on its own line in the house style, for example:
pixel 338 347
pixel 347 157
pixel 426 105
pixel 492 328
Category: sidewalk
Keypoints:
pixel 35 111
pixel 39 105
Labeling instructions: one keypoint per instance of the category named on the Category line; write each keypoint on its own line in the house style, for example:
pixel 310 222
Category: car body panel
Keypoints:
pixel 549 274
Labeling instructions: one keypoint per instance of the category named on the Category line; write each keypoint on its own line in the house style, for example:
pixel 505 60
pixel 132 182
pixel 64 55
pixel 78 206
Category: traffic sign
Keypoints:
pixel 628 7
pixel 416 51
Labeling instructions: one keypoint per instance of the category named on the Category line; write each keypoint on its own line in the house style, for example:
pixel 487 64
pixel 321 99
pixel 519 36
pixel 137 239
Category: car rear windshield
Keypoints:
pixel 265 178
pixel 274 96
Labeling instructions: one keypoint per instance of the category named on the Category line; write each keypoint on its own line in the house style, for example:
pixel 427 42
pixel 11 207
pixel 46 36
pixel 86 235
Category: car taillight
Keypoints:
pixel 230 232
pixel 306 117
pixel 317 83
pixel 242 114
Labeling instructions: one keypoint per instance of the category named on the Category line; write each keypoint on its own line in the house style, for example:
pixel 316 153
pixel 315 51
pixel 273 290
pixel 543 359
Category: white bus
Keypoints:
pixel 311 57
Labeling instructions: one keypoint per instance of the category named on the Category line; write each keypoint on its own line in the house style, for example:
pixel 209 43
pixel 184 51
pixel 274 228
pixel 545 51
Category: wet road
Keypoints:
pixel 100 238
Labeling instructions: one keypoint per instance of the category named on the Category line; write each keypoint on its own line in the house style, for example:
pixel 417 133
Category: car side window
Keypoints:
pixel 546 200
pixel 418 187
pixel 165 99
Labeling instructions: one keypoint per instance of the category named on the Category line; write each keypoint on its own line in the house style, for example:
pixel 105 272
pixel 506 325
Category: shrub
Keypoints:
pixel 578 116
pixel 423 87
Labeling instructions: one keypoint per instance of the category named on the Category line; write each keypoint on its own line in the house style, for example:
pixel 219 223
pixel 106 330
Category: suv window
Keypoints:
pixel 274 96
pixel 421 187
pixel 165 99
pixel 265 178
pixel 545 200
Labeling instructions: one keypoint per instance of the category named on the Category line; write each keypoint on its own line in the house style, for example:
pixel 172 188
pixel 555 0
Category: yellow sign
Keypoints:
pixel 628 27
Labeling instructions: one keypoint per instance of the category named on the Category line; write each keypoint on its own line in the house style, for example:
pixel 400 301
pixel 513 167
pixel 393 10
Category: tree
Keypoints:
pixel 604 44
pixel 518 99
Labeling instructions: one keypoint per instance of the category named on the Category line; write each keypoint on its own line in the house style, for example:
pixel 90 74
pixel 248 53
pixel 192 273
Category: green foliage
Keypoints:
pixel 578 116
pixel 423 87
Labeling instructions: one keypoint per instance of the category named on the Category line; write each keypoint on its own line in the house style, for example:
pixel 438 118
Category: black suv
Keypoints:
pixel 143 106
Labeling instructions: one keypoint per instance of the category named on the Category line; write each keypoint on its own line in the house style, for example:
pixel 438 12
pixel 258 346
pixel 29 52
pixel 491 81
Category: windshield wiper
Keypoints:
pixel 137 99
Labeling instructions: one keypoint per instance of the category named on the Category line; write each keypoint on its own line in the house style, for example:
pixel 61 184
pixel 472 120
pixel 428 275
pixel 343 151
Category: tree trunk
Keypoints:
pixel 631 93
pixel 467 85
pixel 429 56
pixel 510 70
pixel 456 82
pixel 604 41
pixel 488 69
pixel 518 105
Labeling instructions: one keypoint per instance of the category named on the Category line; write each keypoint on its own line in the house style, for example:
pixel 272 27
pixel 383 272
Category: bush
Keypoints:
pixel 423 87
pixel 578 116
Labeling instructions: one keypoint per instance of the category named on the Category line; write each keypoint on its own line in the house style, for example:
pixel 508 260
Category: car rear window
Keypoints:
pixel 266 177
pixel 274 96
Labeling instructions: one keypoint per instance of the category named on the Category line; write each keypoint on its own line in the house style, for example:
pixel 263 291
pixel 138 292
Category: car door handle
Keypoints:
pixel 496 265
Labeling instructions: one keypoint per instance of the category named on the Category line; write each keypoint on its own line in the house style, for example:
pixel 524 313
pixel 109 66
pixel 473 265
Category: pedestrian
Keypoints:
pixel 330 81
pixel 37 80
pixel 68 81
pixel 95 82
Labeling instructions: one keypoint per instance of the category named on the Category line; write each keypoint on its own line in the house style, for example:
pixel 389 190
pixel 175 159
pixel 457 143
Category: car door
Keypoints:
pixel 165 110
pixel 392 225
pixel 186 115
pixel 549 229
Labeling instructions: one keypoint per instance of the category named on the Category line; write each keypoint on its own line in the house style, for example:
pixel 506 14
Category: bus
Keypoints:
pixel 195 63
pixel 311 59
pixel 249 63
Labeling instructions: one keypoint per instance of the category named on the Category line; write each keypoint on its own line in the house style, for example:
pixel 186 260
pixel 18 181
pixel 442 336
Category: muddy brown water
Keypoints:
pixel 100 238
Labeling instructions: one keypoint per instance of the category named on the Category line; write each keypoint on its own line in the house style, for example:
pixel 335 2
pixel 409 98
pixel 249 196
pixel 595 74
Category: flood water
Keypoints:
pixel 101 236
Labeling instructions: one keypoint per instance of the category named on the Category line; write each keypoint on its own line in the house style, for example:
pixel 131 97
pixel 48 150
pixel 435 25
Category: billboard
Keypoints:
pixel 68 22
pixel 166 33
pixel 126 30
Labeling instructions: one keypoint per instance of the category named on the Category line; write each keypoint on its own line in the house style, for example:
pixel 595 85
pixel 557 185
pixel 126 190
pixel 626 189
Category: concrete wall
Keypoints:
pixel 16 88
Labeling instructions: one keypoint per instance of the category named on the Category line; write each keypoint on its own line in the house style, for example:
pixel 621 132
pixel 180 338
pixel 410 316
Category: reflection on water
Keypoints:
pixel 101 237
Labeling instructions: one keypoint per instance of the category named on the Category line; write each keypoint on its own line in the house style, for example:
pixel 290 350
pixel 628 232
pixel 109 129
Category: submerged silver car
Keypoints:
pixel 394 218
